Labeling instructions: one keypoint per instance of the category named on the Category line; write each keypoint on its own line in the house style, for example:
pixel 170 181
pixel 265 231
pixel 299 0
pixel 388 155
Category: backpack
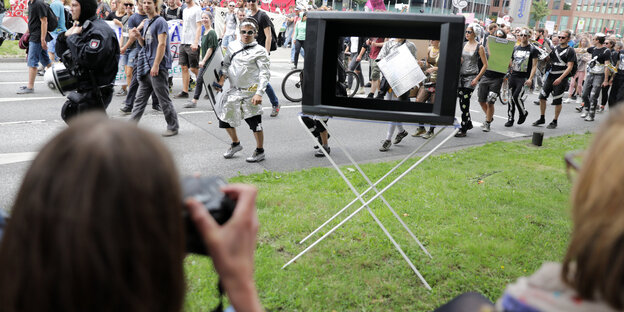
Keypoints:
pixel 52 19
pixel 69 21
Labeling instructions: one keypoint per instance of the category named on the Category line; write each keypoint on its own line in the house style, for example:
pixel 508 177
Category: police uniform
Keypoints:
pixel 91 56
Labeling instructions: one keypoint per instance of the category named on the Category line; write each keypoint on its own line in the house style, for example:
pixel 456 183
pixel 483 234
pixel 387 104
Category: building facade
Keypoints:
pixel 579 15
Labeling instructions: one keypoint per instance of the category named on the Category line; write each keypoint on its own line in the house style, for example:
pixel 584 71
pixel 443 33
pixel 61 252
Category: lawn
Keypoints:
pixel 10 49
pixel 487 215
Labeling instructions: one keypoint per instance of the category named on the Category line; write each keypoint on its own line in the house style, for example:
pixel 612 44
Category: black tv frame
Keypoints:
pixel 321 62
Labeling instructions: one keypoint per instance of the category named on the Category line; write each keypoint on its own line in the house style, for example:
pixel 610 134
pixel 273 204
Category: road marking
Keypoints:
pixel 477 111
pixel 16 82
pixel 21 122
pixel 14 71
pixel 18 99
pixel 11 158
pixel 506 133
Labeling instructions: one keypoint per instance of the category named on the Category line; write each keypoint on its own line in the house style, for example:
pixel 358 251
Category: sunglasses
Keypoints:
pixel 469 32
pixel 247 32
pixel 252 1
pixel 129 4
pixel 523 35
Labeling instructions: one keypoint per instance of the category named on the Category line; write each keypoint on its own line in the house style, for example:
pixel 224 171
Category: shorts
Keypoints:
pixel 52 45
pixel 487 85
pixel 254 122
pixel 188 57
pixel 37 55
pixel 557 91
pixel 128 58
pixel 375 72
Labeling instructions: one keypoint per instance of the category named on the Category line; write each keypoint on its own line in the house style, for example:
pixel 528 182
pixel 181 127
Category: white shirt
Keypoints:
pixel 191 16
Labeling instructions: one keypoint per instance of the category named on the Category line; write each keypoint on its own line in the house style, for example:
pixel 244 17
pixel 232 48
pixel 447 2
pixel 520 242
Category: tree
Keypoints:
pixel 539 10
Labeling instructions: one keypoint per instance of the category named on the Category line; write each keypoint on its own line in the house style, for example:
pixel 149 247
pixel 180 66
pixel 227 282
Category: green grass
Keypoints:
pixel 10 49
pixel 487 214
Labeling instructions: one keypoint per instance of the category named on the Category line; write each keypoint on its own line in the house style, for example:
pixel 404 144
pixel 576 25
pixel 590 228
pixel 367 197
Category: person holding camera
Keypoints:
pixel 90 51
pixel 70 246
pixel 246 65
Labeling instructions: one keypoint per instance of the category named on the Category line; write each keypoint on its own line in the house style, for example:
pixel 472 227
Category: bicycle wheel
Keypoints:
pixel 505 93
pixel 292 85
pixel 355 84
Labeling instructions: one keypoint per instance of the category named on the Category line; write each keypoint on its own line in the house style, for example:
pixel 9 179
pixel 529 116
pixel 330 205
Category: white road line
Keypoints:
pixel 10 158
pixel 21 122
pixel 18 82
pixel 14 71
pixel 18 99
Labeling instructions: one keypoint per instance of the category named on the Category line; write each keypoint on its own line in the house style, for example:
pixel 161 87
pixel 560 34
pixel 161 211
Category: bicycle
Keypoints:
pixel 505 93
pixel 292 85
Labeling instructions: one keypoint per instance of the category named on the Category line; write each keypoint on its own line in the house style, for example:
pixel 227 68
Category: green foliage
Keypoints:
pixel 488 215
pixel 539 10
pixel 10 49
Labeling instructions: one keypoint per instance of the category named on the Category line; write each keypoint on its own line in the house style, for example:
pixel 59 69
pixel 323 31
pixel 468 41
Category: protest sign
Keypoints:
pixel 376 5
pixel 16 19
pixel 500 51
pixel 401 70
pixel 550 26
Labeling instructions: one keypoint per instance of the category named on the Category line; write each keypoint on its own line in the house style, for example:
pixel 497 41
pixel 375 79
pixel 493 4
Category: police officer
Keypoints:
pixel 90 51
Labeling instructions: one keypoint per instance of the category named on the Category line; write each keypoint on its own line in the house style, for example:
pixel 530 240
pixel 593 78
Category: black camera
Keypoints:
pixel 206 190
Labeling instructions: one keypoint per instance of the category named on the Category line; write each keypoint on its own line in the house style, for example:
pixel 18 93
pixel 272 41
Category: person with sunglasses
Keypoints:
pixel 229 24
pixel 523 67
pixel 610 44
pixel 469 76
pixel 597 75
pixel 265 38
pixel 562 60
pixel 246 66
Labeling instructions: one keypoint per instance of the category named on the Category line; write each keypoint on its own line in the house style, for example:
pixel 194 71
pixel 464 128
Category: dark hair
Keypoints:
pixel 601 39
pixel 251 21
pixel 96 225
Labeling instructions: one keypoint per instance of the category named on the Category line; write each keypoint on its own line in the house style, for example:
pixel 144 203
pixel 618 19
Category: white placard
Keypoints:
pixel 401 70
pixel 550 26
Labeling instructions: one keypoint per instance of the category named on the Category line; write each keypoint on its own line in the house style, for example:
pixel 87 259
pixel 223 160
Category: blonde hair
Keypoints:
pixel 594 262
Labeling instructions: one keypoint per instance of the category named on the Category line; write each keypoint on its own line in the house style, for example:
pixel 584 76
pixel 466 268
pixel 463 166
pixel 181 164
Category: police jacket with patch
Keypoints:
pixel 92 53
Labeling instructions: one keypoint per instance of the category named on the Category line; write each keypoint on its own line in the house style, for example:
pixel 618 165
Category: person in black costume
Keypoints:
pixel 90 51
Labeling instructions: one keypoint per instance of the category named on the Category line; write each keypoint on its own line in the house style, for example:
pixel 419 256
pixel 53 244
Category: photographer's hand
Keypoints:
pixel 232 245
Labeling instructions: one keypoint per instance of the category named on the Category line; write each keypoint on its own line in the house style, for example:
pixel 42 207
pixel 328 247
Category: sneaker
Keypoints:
pixel 125 110
pixel 460 134
pixel 181 95
pixel 361 91
pixel 192 85
pixel 207 97
pixel 275 111
pixel 379 96
pixel 428 135
pixel 232 150
pixel 121 92
pixel 584 114
pixel 190 104
pixel 419 132
pixel 522 117
pixel 319 152
pixel 370 95
pixel 579 108
pixel 255 157
pixel 573 98
pixel 509 123
pixel 536 102
pixel 486 126
pixel 367 85
pixel 294 67
pixel 539 122
pixel 25 90
pixel 590 117
pixel 399 137
pixel 601 109
pixel 552 125
pixel 385 146
pixel 157 108
pixel 169 133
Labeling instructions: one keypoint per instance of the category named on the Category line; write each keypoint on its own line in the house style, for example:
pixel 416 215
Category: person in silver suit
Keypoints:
pixel 246 65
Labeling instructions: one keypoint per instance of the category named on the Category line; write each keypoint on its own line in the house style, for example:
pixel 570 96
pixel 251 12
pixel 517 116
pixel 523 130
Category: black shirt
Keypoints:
pixel 522 60
pixel 36 10
pixel 114 16
pixel 566 54
pixel 620 66
pixel 263 22
pixel 172 14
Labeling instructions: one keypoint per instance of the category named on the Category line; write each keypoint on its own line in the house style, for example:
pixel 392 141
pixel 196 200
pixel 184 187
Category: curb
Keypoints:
pixel 12 60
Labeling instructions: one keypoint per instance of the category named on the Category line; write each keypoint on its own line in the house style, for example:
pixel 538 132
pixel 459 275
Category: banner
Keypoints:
pixel 175 38
pixel 16 19
pixel 500 51
pixel 520 11
pixel 267 5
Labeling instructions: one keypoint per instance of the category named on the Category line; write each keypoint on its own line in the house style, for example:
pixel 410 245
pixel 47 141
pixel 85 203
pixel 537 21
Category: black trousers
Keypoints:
pixel 516 84
pixel 299 44
pixel 200 83
pixel 464 95
pixel 617 90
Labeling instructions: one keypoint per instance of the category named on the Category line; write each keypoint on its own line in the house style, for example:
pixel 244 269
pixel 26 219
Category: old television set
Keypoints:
pixel 325 33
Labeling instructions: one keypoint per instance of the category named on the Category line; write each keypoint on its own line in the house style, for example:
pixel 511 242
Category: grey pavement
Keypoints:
pixel 28 121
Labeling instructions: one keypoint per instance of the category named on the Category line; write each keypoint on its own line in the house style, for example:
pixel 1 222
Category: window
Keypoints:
pixel 604 6
pixel 617 26
pixel 610 10
pixel 567 6
pixel 575 24
pixel 591 5
pixel 553 18
pixel 496 3
pixel 556 4
pixel 611 24
pixel 599 25
pixel 563 23
pixel 592 27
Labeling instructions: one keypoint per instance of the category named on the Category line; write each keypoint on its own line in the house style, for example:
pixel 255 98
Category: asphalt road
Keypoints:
pixel 29 121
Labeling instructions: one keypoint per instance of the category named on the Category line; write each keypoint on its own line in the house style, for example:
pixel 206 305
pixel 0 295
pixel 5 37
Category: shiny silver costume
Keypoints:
pixel 248 73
